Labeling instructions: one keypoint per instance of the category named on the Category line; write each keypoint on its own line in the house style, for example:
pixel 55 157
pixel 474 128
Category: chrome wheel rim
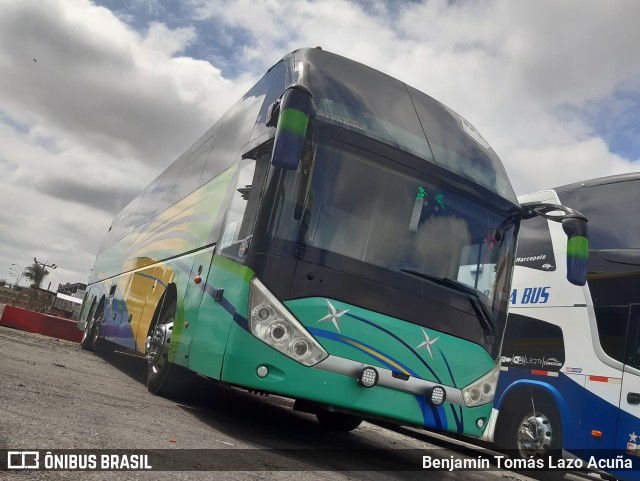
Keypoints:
pixel 535 435
pixel 87 329
pixel 95 324
pixel 157 346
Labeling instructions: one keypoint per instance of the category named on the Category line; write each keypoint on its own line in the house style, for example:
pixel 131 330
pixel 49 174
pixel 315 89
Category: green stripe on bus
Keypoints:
pixel 578 246
pixel 294 121
pixel 240 270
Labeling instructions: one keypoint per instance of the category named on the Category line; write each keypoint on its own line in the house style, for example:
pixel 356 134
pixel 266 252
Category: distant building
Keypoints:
pixel 76 290
pixel 68 300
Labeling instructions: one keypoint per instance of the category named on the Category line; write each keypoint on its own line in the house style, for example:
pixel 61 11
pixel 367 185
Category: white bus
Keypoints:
pixel 570 367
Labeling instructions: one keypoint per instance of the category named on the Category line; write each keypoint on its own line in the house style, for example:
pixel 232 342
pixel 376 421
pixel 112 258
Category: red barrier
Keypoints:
pixel 44 324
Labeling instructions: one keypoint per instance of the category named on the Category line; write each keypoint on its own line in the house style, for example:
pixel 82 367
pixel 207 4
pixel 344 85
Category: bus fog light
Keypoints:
pixel 437 395
pixel 480 422
pixel 368 377
pixel 262 371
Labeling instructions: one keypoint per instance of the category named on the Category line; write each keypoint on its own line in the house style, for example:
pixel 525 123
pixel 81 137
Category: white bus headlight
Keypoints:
pixel 483 390
pixel 273 324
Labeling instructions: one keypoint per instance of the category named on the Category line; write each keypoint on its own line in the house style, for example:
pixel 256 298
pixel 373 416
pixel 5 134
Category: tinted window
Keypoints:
pixel 633 353
pixel 612 329
pixel 189 178
pixel 609 208
pixel 535 249
pixel 533 344
pixel 235 130
pixel 365 100
pixel 344 203
pixel 459 147
pixel 238 227
pixel 276 87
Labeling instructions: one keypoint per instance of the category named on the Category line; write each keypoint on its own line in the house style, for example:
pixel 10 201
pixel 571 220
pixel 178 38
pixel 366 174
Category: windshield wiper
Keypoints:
pixel 482 313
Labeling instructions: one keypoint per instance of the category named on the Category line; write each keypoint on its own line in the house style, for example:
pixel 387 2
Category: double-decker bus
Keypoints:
pixel 322 241
pixel 570 375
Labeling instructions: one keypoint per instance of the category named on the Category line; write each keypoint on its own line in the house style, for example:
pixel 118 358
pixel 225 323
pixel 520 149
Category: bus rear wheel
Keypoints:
pixel 86 342
pixel 337 421
pixel 91 340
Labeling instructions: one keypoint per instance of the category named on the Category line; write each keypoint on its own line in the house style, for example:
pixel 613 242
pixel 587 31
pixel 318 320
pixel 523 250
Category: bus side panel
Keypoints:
pixel 214 320
pixel 581 410
pixel 117 327
pixel 189 305
pixel 628 439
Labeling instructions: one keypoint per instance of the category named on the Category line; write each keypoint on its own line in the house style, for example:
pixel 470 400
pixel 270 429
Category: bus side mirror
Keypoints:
pixel 295 108
pixel 577 249
pixel 574 225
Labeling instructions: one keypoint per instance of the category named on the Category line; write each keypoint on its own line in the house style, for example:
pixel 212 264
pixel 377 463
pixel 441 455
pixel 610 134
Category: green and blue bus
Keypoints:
pixel 326 241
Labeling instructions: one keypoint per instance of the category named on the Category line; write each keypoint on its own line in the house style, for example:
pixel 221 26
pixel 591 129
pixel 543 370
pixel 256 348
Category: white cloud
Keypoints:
pixel 104 107
pixel 511 68
pixel 98 114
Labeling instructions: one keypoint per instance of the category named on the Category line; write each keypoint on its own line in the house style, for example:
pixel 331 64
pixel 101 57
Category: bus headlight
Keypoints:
pixel 483 390
pixel 273 324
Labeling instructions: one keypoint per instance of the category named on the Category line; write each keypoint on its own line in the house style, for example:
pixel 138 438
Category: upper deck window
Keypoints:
pixel 609 207
pixel 359 98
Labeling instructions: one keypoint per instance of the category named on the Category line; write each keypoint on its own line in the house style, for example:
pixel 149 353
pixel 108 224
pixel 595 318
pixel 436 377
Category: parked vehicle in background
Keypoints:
pixel 571 355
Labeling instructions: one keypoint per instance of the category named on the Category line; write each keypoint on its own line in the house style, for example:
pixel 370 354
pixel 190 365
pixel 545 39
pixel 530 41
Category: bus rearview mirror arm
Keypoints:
pixel 575 227
pixel 293 110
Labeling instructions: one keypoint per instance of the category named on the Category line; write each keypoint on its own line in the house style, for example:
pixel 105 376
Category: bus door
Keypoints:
pixel 196 288
pixel 226 284
pixel 628 438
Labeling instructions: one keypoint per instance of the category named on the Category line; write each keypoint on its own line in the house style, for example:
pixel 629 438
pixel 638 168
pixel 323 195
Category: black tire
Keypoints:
pixel 91 336
pixel 163 377
pixel 86 342
pixel 533 428
pixel 337 421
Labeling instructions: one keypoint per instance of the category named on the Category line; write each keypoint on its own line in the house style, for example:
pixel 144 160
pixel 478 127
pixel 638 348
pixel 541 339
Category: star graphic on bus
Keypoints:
pixel 632 437
pixel 428 342
pixel 334 315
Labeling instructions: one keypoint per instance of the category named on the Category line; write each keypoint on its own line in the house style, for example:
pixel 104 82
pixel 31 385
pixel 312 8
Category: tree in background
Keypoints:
pixel 36 274
pixel 3 282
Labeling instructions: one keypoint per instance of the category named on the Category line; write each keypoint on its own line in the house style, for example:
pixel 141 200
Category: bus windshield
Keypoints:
pixel 343 202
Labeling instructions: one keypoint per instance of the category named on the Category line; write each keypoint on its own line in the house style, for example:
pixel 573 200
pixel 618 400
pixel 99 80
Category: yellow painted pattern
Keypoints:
pixel 376 354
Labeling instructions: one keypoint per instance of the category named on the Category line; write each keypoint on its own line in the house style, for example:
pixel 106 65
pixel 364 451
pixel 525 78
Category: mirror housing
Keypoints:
pixel 294 109
pixel 575 227
pixel 577 249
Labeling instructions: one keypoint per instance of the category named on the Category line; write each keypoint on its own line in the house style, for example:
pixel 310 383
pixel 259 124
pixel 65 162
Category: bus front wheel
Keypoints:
pixel 534 429
pixel 337 421
pixel 164 377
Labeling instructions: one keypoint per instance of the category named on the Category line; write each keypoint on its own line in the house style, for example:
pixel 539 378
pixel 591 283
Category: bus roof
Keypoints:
pixel 611 179
pixel 365 100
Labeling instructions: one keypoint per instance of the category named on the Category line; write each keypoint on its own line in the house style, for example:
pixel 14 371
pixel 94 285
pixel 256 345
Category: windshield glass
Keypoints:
pixel 342 202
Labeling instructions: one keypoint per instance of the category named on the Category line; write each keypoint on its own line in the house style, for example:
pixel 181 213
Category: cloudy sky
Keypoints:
pixel 96 98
